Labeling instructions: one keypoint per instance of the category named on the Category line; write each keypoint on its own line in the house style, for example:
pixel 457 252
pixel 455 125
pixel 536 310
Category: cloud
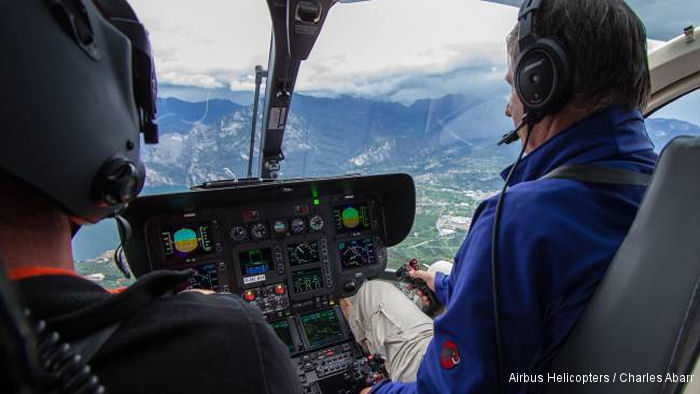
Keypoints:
pixel 393 49
pixel 408 84
pixel 189 79
pixel 371 48
pixel 437 72
pixel 453 68
pixel 214 38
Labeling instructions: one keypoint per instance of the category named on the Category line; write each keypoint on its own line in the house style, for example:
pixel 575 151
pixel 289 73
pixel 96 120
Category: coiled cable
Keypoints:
pixel 67 370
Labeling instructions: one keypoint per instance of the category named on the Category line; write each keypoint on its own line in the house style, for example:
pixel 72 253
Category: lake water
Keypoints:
pixel 92 240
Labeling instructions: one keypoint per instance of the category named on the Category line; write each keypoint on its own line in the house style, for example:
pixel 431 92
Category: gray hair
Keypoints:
pixel 607 47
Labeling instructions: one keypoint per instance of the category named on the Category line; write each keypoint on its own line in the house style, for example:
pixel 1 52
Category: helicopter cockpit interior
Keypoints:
pixel 295 247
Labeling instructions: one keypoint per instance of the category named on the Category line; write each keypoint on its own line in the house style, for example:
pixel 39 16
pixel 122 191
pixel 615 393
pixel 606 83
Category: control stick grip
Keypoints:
pixel 403 276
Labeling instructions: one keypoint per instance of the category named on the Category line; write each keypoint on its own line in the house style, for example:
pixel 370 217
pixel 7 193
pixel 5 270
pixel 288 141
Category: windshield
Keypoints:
pixel 391 86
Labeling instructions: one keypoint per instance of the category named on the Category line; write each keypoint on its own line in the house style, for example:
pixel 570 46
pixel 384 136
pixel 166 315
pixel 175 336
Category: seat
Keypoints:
pixel 644 318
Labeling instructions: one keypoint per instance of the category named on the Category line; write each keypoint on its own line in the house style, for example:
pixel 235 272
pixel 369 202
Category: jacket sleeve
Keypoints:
pixel 442 289
pixel 388 387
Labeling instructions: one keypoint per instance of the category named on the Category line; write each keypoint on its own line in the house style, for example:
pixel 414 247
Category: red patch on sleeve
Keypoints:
pixel 449 356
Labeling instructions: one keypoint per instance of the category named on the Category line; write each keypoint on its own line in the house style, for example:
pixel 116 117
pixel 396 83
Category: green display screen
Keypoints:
pixel 322 327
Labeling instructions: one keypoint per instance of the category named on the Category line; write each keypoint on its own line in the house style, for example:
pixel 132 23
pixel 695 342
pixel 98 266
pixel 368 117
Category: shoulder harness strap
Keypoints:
pixel 594 173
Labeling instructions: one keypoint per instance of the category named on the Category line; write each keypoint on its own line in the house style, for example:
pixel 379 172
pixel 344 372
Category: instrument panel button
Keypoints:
pixel 249 296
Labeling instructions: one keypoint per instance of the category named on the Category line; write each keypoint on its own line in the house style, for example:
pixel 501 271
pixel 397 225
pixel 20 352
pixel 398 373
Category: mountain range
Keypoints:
pixel 209 140
pixel 203 141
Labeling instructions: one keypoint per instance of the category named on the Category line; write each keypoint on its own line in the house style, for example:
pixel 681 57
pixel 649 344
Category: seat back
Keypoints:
pixel 643 321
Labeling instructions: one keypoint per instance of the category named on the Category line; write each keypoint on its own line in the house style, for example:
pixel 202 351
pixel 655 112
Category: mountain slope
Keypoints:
pixel 176 115
pixel 446 138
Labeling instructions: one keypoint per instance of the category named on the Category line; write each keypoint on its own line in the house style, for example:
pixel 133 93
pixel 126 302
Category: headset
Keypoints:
pixel 543 72
pixel 543 82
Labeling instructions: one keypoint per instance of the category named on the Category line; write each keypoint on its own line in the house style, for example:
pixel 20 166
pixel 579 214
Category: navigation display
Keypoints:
pixel 303 253
pixel 207 278
pixel 321 327
pixel 186 240
pixel 305 281
pixel 254 264
pixel 357 252
pixel 351 218
pixel 281 328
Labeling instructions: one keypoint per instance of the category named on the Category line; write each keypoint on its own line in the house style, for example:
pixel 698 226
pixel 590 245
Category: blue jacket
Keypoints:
pixel 558 237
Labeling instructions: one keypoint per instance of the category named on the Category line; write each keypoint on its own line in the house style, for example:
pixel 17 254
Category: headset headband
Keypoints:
pixel 526 26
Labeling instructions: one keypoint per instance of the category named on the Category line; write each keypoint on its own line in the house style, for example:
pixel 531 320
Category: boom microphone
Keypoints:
pixel 512 136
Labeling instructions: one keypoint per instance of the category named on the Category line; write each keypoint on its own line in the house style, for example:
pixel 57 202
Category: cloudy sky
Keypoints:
pixel 394 49
pixel 391 48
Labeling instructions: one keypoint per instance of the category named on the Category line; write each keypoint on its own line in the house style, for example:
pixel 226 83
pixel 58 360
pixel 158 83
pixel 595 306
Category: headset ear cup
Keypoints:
pixel 543 77
pixel 118 181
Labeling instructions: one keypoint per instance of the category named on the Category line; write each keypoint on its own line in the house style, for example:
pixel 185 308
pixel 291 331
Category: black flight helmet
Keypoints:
pixel 77 88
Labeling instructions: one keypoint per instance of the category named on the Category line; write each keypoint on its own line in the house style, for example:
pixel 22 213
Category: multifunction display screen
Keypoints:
pixel 321 327
pixel 206 277
pixel 305 281
pixel 357 252
pixel 254 264
pixel 186 240
pixel 350 218
pixel 281 328
pixel 303 253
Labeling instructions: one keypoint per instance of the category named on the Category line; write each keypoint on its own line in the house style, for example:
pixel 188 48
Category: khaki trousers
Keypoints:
pixel 388 323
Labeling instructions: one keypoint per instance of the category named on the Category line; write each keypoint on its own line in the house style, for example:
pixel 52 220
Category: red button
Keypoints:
pixel 279 289
pixel 249 296
pixel 329 353
pixel 370 357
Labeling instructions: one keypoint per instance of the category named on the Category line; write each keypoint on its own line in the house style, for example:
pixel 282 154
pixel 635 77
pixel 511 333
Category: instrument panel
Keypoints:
pixel 307 252
pixel 292 249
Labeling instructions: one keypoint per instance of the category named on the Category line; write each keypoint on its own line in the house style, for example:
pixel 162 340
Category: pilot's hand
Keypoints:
pixel 429 278
pixel 366 391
